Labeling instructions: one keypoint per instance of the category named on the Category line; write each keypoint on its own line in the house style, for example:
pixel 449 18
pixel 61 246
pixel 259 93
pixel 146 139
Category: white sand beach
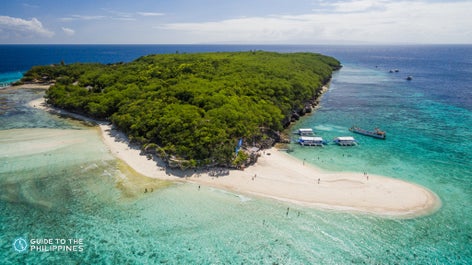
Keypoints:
pixel 28 86
pixel 279 176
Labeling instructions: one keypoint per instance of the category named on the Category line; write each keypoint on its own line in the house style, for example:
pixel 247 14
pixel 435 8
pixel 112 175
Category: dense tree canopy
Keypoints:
pixel 192 106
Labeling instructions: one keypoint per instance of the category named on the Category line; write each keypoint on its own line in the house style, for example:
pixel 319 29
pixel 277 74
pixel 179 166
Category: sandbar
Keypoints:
pixel 279 176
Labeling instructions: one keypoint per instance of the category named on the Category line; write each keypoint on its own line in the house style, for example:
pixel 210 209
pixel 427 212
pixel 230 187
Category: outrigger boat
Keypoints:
pixel 311 141
pixel 376 134
pixel 308 138
pixel 345 141
pixel 305 132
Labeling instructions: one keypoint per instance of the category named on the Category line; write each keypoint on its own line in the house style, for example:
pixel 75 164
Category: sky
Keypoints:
pixel 236 22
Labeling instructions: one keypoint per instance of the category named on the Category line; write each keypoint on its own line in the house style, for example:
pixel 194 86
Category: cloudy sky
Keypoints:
pixel 241 21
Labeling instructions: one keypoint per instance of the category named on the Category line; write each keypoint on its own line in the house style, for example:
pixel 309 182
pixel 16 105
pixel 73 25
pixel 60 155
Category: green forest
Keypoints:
pixel 193 107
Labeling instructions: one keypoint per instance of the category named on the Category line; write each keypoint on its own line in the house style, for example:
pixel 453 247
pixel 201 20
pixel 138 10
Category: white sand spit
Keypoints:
pixel 280 176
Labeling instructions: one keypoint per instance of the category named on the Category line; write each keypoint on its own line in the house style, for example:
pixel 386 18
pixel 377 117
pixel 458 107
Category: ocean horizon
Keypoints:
pixel 82 192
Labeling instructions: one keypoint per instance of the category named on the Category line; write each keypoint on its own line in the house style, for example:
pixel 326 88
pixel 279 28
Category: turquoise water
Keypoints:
pixel 57 180
pixel 9 77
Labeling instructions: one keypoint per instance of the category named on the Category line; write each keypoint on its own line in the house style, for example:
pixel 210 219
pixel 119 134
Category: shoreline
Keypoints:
pixel 27 86
pixel 281 177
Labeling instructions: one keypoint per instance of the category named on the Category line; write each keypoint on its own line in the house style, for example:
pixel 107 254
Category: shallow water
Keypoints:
pixel 69 186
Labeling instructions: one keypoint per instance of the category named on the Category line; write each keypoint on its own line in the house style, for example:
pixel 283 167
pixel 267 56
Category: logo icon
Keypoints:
pixel 20 245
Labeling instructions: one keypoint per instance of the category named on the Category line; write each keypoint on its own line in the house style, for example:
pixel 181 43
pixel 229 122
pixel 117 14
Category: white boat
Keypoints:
pixel 311 141
pixel 345 140
pixel 305 131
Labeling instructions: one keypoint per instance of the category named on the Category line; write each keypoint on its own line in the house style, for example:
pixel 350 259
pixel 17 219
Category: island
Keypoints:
pixel 194 110
pixel 198 117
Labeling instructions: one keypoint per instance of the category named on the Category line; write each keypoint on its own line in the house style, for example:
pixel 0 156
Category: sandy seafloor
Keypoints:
pixel 82 191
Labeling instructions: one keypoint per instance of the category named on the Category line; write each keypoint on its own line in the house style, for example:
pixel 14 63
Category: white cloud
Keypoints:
pixel 111 15
pixel 354 6
pixel 149 14
pixel 118 15
pixel 68 31
pixel 124 18
pixel 18 27
pixel 29 5
pixel 352 21
pixel 82 17
pixel 252 29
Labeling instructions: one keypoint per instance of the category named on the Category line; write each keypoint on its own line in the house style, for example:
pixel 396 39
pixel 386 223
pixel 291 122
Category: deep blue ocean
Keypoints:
pixel 79 191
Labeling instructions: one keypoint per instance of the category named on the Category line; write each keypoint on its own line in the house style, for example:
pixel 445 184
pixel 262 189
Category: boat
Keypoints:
pixel 377 133
pixel 305 131
pixel 345 141
pixel 409 78
pixel 311 141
